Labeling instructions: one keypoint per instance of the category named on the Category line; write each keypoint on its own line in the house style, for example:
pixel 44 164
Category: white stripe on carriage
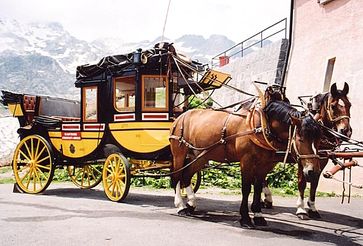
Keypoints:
pixel 155 116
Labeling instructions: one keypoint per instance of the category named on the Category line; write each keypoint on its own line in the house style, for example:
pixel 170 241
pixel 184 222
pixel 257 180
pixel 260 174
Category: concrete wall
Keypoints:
pixel 265 65
pixel 322 32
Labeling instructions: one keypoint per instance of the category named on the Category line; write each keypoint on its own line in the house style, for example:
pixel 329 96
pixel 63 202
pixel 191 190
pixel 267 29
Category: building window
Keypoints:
pixel 90 103
pixel 124 94
pixel 324 1
pixel 154 93
pixel 329 74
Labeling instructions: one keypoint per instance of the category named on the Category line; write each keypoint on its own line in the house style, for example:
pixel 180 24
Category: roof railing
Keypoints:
pixel 259 40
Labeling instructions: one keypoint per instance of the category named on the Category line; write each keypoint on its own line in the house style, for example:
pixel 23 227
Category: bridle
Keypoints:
pixel 332 119
pixel 292 144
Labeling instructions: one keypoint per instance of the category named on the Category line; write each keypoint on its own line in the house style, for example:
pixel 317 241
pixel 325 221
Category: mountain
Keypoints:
pixel 41 58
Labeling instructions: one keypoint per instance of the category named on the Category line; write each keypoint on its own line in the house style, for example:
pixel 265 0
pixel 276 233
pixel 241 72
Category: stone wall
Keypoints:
pixel 265 64
pixel 8 139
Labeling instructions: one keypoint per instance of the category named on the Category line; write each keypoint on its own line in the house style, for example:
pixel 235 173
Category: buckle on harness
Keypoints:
pixel 257 130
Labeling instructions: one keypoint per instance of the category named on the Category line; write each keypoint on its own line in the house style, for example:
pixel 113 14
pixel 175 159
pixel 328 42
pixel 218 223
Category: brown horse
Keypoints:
pixel 332 110
pixel 198 136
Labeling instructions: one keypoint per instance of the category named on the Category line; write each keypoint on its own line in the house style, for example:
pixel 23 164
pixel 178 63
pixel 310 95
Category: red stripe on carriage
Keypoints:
pixel 121 117
pixel 71 127
pixel 155 116
pixel 94 127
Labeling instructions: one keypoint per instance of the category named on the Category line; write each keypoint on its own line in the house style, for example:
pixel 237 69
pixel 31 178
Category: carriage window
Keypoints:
pixel 90 103
pixel 155 93
pixel 124 94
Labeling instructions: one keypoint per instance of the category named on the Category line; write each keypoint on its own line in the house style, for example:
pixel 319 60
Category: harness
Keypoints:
pixel 327 107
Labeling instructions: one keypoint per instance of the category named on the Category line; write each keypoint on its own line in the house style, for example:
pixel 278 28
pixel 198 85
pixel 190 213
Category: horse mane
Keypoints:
pixel 282 112
pixel 310 129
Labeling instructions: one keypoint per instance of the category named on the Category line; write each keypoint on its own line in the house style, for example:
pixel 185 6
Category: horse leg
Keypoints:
pixel 312 211
pixel 178 201
pixel 258 219
pixel 301 212
pixel 178 162
pixel 267 202
pixel 246 190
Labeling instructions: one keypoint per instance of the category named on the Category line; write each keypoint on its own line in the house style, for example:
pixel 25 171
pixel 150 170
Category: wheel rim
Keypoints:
pixel 87 176
pixel 32 164
pixel 116 177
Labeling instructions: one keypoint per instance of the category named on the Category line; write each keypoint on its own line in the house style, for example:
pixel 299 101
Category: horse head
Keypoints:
pixel 305 141
pixel 306 134
pixel 334 109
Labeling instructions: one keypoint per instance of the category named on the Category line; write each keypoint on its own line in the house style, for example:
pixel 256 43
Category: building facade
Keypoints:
pixel 327 47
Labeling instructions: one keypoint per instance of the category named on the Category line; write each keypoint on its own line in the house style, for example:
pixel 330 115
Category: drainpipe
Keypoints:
pixel 290 41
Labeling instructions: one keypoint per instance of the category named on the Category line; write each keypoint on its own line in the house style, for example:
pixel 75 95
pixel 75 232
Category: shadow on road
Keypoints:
pixel 335 228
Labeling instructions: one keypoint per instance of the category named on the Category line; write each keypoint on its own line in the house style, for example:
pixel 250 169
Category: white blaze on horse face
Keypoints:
pixel 192 200
pixel 341 103
pixel 178 200
pixel 313 148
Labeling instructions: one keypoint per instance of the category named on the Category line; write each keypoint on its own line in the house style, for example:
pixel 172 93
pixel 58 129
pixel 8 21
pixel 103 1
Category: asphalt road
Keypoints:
pixel 66 215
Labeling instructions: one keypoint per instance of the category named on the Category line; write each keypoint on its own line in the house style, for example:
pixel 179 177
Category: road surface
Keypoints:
pixel 66 215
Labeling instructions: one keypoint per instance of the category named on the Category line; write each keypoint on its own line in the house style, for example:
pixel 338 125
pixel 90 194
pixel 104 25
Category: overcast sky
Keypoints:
pixel 136 20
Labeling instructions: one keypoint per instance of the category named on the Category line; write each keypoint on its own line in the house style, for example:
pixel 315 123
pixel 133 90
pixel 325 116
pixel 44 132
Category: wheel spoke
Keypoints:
pixel 27 174
pixel 23 154
pixel 38 177
pixel 83 174
pixel 41 172
pixel 47 157
pixel 77 173
pixel 40 153
pixel 44 167
pixel 32 148
pixel 29 177
pixel 27 149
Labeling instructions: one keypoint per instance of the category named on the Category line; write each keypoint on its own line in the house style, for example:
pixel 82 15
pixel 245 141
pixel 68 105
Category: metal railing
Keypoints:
pixel 260 39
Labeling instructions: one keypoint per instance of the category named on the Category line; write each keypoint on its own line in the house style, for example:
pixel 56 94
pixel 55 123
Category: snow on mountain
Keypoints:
pixel 41 58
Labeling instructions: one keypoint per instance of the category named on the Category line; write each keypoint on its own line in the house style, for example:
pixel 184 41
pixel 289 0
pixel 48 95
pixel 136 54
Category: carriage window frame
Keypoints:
pixel 127 107
pixel 85 105
pixel 143 101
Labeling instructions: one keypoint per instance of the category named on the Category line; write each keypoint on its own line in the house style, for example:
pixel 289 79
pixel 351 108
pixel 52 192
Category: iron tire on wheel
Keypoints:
pixel 86 176
pixel 116 177
pixel 33 164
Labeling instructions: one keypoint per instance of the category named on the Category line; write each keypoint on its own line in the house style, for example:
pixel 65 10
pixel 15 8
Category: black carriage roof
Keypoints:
pixel 118 64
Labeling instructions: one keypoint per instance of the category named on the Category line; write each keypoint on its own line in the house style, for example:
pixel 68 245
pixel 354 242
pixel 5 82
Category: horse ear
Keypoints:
pixel 346 88
pixel 295 120
pixel 334 90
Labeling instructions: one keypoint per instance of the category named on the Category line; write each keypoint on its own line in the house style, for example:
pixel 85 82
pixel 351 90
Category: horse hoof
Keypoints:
pixel 302 216
pixel 246 224
pixel 260 221
pixel 313 214
pixel 190 208
pixel 184 212
pixel 267 204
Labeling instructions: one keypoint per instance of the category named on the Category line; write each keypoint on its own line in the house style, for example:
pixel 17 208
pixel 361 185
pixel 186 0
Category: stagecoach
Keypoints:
pixel 118 130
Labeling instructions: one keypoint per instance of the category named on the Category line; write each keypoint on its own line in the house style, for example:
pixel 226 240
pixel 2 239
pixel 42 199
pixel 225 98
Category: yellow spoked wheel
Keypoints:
pixel 86 176
pixel 33 164
pixel 196 181
pixel 116 177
